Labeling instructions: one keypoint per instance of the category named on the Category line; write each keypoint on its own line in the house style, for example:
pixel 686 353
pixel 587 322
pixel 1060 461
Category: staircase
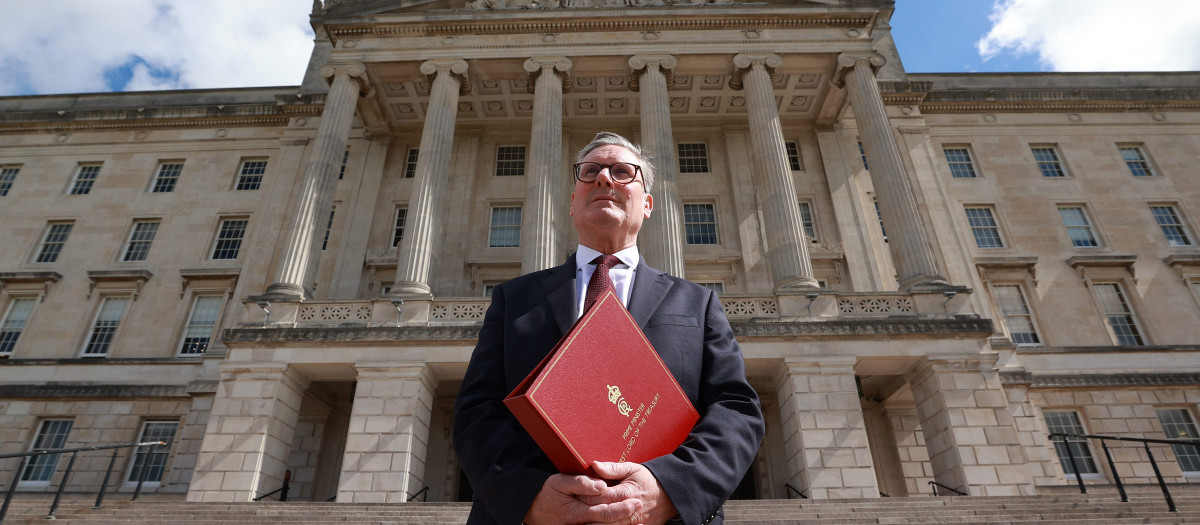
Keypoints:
pixel 1063 508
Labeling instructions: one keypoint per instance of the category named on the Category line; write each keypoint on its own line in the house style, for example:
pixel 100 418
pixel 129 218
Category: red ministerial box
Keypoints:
pixel 603 394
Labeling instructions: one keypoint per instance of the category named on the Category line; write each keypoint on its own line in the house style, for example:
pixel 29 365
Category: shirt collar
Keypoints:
pixel 584 255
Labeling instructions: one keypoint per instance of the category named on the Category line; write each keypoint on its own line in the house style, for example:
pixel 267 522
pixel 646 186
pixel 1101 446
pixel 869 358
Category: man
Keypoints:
pixel 513 481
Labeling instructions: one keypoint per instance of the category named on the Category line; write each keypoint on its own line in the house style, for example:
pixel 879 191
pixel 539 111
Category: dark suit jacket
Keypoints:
pixel 687 327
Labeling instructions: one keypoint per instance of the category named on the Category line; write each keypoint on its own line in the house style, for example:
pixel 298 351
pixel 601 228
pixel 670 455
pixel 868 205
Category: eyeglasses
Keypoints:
pixel 621 172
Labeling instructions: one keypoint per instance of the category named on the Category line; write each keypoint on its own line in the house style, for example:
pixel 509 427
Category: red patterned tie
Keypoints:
pixel 600 279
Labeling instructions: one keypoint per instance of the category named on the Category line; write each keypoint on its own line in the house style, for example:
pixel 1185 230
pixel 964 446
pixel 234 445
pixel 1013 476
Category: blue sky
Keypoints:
pixel 119 45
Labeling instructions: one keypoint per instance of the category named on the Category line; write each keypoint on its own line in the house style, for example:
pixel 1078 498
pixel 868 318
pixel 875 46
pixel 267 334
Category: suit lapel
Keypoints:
pixel 559 286
pixel 650 286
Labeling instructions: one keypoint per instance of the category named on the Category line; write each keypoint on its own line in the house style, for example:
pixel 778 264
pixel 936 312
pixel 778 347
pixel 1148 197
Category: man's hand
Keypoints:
pixel 637 483
pixel 562 500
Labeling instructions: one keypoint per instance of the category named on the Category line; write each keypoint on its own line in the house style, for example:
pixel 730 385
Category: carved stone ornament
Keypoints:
pixel 847 61
pixel 355 70
pixel 743 62
pixel 453 66
pixel 561 66
pixel 639 63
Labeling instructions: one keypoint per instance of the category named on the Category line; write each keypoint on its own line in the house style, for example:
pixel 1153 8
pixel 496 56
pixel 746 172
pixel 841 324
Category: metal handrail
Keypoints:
pixel 1162 484
pixel 423 493
pixel 12 487
pixel 935 486
pixel 791 489
pixel 283 490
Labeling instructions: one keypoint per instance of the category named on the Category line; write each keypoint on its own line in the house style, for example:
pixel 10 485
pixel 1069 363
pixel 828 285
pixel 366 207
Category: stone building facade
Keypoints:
pixel 928 273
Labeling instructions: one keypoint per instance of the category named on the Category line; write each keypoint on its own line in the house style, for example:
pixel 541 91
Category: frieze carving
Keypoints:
pixel 1098 380
pixel 544 4
pixel 72 390
pixel 407 334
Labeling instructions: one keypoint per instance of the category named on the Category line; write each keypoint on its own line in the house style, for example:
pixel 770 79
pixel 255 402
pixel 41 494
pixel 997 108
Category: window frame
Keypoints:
pixel 1093 231
pixel 795 159
pixel 1085 444
pixel 90 336
pixel 688 225
pixel 399 224
pixel 995 226
pixel 345 162
pixel 129 478
pixel 328 228
pixel 1130 312
pixel 1143 158
pixel 40 250
pixel 6 318
pixel 78 186
pixel 1030 313
pixel 1181 225
pixel 695 160
pixel 45 460
pixel 494 229
pixel 969 163
pixel 166 171
pixel 8 177
pixel 128 247
pixel 187 323
pixel 410 163
pixel 862 154
pixel 506 162
pixel 215 245
pixel 1189 451
pixel 1058 163
pixel 809 226
pixel 243 178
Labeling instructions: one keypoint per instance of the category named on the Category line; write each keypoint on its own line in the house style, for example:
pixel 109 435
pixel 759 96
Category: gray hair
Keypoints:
pixel 608 138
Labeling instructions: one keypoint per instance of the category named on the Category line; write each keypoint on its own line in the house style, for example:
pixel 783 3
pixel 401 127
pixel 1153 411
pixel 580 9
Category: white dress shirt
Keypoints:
pixel 622 274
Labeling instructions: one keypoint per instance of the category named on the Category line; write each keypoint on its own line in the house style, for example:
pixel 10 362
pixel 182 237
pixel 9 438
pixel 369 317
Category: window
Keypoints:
pixel 506 227
pixel 693 157
pixel 105 327
pixel 328 228
pixel 984 227
pixel 718 287
pixel 250 175
pixel 488 289
pixel 1118 314
pixel 14 322
pixel 167 177
pixel 206 309
pixel 398 233
pixel 229 239
pixel 1135 158
pixel 140 239
pixel 879 215
pixel 510 161
pixel 793 154
pixel 1177 423
pixel 1048 162
pixel 51 435
pixel 345 160
pixel 960 163
pixel 8 174
pixel 1168 219
pixel 1017 317
pixel 1067 422
pixel 1078 227
pixel 153 459
pixel 85 177
pixel 410 163
pixel 700 223
pixel 806 220
pixel 863 153
pixel 52 243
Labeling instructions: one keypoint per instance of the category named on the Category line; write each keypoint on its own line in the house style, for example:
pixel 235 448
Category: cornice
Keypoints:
pixel 206 115
pixel 615 21
pixel 1035 380
pixel 111 125
pixel 1054 107
pixel 92 391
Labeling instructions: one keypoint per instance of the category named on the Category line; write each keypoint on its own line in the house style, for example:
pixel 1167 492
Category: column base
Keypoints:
pixel 795 283
pixel 410 288
pixel 283 293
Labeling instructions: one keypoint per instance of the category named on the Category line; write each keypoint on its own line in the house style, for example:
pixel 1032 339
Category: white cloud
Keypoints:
pixel 69 46
pixel 1098 35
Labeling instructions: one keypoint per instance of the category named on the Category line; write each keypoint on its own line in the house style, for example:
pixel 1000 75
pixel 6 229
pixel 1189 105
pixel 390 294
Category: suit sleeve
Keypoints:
pixel 702 472
pixel 505 466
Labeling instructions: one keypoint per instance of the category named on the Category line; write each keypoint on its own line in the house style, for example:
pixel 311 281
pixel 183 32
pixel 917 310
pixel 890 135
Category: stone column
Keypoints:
pixel 296 268
pixel 787 247
pixel 825 437
pixel 549 77
pixel 448 81
pixel 969 431
pixel 912 253
pixel 250 431
pixel 662 235
pixel 389 433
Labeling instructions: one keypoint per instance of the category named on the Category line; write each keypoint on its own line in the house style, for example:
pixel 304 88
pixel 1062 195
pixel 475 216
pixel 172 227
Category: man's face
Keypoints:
pixel 606 210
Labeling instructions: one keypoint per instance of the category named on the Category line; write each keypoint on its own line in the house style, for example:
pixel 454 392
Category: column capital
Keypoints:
pixel 354 69
pixel 639 64
pixel 745 61
pixel 561 66
pixel 847 61
pixel 450 66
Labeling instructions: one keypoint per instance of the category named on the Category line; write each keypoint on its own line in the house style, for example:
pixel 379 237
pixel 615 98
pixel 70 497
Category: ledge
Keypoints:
pixel 29 277
pixel 92 391
pixel 1104 349
pixel 1098 380
pixel 104 361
